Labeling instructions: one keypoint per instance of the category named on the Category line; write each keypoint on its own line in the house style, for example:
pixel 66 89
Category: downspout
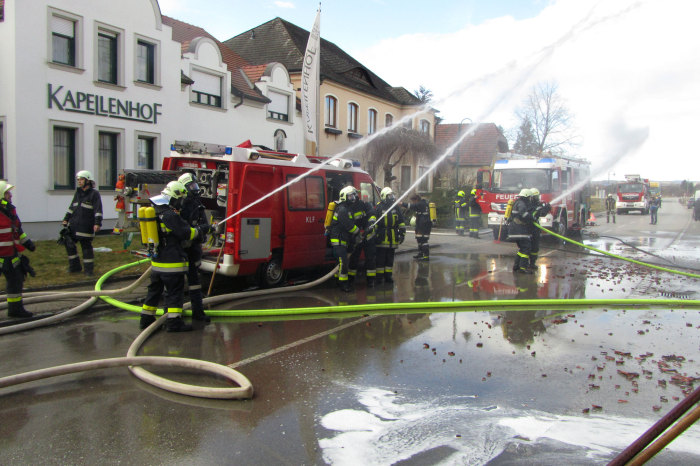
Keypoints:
pixel 239 103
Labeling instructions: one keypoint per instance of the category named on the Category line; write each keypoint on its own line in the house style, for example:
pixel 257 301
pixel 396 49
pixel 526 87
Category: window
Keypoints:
pixel 145 148
pixel 280 139
pixel 388 120
pixel 206 89
pixel 306 194
pixel 368 193
pixel 145 62
pixel 405 178
pixel 107 57
pixel 424 185
pixel 107 160
pixel 425 126
pixel 352 118
pixel 278 109
pixel 63 41
pixel 371 121
pixel 64 155
pixel 331 111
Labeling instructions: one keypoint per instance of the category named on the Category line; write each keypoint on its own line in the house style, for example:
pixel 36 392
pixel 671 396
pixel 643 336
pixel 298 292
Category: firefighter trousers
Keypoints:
pixel 340 252
pixel 173 283
pixel 12 270
pixel 194 282
pixel 522 259
pixel 385 263
pixel 370 249
pixel 74 259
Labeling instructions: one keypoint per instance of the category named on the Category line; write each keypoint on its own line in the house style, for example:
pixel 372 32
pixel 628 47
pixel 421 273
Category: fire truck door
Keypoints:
pixel 256 222
pixel 483 179
pixel 305 243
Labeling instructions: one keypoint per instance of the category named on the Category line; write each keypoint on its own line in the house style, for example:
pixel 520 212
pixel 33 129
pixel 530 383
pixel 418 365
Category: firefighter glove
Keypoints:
pixel 401 235
pixel 29 244
pixel 26 268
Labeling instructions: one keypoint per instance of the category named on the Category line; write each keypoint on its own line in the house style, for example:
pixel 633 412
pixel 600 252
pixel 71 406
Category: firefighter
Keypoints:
pixel 460 211
pixel 364 217
pixel 423 226
pixel 610 207
pixel 12 242
pixel 194 214
pixel 169 263
pixel 391 231
pixel 654 209
pixel 520 231
pixel 343 233
pixel 474 215
pixel 83 219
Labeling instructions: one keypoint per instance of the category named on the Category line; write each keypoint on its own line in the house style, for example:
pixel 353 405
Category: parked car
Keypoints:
pixel 691 203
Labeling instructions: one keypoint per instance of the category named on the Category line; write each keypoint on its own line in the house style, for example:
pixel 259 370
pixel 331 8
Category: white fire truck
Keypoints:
pixel 562 181
pixel 284 231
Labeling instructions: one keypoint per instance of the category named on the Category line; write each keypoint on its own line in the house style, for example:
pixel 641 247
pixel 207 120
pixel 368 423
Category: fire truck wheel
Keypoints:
pixel 271 273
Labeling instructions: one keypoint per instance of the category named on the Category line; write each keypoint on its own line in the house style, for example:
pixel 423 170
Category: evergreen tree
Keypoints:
pixel 525 142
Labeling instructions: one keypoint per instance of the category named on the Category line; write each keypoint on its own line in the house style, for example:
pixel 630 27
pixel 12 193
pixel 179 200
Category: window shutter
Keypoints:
pixel 62 26
pixel 279 103
pixel 207 83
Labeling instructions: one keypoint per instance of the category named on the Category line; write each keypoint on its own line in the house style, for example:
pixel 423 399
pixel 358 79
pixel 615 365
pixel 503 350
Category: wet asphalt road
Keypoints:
pixel 535 386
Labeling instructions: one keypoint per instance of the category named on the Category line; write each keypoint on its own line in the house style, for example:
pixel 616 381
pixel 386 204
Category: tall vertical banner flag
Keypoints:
pixel 310 81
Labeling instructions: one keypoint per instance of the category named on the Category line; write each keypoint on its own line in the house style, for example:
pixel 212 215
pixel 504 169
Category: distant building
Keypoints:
pixel 354 102
pixel 478 150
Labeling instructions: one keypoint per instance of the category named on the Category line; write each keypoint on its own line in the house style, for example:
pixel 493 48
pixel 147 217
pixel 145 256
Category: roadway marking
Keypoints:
pixel 299 342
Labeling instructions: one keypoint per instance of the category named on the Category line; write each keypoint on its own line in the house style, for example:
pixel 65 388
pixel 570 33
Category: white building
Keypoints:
pixel 105 85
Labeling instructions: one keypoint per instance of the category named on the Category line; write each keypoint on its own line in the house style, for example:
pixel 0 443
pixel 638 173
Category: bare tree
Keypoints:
pixel 386 151
pixel 424 94
pixel 550 120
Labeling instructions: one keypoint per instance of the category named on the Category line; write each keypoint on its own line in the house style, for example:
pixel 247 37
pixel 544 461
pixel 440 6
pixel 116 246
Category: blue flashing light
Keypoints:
pixel 229 150
pixel 355 163
pixel 546 160
pixel 172 147
pixel 502 161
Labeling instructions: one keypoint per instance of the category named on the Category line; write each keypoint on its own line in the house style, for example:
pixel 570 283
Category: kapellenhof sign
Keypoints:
pixel 95 104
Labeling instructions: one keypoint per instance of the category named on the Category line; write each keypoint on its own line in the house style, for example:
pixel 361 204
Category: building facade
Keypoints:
pixel 104 86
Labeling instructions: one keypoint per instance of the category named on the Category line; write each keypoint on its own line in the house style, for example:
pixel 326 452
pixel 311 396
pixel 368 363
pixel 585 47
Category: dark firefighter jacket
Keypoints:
pixel 173 232
pixel 342 227
pixel 84 212
pixel 474 207
pixel 391 229
pixel 12 238
pixel 423 223
pixel 194 214
pixel 521 220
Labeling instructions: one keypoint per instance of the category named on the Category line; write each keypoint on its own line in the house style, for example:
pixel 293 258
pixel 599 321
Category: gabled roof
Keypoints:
pixel 477 149
pixel 185 33
pixel 281 41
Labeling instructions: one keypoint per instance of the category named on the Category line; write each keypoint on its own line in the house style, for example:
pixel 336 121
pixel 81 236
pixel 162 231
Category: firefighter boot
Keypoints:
pixel 146 320
pixel 345 286
pixel 16 309
pixel 74 265
pixel 198 306
pixel 524 265
pixel 387 278
pixel 89 268
pixel 516 264
pixel 176 324
pixel 370 282
pixel 532 265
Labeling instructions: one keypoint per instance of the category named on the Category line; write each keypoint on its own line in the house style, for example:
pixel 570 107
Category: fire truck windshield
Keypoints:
pixel 509 181
pixel 631 188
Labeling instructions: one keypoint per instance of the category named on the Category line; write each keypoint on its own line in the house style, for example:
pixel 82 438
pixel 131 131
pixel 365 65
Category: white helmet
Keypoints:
pixel 188 180
pixel 348 193
pixel 174 190
pixel 534 192
pixel 5 187
pixel 84 174
pixel 525 192
pixel 385 192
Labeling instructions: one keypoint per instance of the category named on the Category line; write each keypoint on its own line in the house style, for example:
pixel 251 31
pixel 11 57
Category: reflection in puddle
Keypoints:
pixel 389 428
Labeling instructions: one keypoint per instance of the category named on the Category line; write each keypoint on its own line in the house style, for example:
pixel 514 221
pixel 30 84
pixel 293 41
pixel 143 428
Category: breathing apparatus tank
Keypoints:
pixel 433 211
pixel 148 226
pixel 509 209
pixel 329 215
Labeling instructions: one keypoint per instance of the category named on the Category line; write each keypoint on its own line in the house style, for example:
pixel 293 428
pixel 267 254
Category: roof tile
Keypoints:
pixel 477 149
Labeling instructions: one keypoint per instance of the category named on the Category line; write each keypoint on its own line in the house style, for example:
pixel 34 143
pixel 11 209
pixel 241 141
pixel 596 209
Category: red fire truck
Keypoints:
pixel 634 194
pixel 284 231
pixel 562 181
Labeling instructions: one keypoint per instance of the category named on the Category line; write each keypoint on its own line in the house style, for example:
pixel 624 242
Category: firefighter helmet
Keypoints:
pixel 386 192
pixel 348 193
pixel 534 192
pixel 525 192
pixel 460 194
pixel 84 174
pixel 174 190
pixel 473 192
pixel 5 187
pixel 189 181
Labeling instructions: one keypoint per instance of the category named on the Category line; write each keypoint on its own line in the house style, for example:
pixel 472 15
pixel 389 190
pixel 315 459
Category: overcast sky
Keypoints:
pixel 629 71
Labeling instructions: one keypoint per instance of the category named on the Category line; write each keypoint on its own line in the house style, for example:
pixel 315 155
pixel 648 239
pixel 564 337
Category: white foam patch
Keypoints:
pixel 391 429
